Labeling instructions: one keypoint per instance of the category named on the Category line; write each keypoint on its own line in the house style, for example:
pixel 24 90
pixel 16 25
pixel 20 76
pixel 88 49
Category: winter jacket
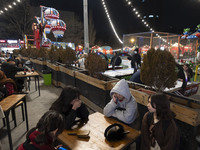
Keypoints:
pixel 81 113
pixel 167 139
pixel 126 110
pixel 10 70
pixel 30 143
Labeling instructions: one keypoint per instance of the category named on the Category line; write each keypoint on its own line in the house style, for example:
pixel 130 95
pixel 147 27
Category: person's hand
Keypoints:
pixel 115 99
pixel 76 104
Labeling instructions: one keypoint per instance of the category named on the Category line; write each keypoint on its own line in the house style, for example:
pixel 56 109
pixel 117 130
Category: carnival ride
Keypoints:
pixel 48 22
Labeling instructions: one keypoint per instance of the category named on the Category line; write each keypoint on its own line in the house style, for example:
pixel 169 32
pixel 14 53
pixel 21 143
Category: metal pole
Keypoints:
pixel 86 36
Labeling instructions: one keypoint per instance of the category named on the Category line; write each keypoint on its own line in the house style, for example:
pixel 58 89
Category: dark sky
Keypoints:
pixel 174 15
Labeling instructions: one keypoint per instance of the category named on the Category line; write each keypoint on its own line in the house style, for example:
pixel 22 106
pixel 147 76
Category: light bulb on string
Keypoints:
pixel 113 28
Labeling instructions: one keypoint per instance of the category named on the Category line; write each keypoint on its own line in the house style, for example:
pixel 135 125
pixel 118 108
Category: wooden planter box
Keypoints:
pixel 39 65
pixel 95 90
pixel 66 76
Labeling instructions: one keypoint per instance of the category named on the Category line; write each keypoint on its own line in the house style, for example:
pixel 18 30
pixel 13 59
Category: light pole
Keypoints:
pixel 86 36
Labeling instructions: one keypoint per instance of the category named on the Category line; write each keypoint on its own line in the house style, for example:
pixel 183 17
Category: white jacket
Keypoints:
pixel 129 104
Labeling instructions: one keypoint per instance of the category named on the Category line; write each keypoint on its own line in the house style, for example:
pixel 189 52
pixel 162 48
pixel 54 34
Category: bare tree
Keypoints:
pixel 74 27
pixel 16 21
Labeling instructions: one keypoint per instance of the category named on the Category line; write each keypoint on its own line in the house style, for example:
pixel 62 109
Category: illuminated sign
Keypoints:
pixel 2 41
pixel 12 41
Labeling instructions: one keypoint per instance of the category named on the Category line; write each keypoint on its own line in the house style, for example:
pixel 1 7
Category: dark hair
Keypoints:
pixel 49 122
pixel 160 102
pixel 63 103
pixel 136 50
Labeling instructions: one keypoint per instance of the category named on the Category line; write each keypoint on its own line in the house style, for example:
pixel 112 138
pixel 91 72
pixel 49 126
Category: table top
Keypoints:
pixel 28 74
pixel 97 124
pixel 178 86
pixel 119 72
pixel 10 101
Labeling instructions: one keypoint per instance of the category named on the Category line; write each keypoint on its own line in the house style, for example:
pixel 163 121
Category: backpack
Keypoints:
pixel 3 92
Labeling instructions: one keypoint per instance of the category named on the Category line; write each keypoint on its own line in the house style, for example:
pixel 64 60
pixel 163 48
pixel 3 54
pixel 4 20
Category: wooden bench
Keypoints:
pixel 9 103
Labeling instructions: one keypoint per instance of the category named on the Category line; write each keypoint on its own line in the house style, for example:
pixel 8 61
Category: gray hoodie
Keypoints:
pixel 129 114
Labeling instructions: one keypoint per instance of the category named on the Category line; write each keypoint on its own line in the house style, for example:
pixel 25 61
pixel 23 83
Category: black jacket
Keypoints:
pixel 82 113
pixel 10 70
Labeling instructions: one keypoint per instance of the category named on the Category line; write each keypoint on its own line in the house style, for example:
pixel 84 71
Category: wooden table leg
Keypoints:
pixel 8 129
pixel 26 115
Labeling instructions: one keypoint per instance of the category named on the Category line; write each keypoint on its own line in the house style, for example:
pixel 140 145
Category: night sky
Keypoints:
pixel 174 15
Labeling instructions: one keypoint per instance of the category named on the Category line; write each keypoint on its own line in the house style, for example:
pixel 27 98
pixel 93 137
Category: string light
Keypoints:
pixel 143 20
pixel 10 6
pixel 108 16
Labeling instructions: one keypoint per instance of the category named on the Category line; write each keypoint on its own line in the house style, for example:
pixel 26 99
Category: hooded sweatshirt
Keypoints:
pixel 125 110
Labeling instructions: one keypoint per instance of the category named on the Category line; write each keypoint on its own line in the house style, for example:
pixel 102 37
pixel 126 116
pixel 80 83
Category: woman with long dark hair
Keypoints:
pixel 42 136
pixel 159 130
pixel 70 106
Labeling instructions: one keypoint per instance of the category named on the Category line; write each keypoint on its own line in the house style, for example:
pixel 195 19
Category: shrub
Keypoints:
pixel 95 64
pixel 67 56
pixel 158 70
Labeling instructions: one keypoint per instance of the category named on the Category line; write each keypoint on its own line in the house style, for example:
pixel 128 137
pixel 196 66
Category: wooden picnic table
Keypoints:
pixel 7 105
pixel 29 75
pixel 96 125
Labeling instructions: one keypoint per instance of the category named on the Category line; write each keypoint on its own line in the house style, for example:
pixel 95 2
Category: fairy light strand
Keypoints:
pixel 10 6
pixel 136 12
pixel 110 21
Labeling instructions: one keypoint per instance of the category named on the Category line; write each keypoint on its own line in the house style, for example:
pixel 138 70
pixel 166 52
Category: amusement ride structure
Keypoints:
pixel 48 22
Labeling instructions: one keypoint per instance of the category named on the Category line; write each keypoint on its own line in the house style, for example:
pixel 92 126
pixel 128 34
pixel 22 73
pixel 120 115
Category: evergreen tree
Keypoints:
pixel 158 70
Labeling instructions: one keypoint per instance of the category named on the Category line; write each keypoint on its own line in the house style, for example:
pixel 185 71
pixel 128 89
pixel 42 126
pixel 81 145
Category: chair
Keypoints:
pixel 13 112
pixel 2 116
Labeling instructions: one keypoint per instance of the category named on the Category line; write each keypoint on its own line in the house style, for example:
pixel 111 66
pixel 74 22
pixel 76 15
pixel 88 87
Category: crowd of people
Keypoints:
pixel 158 127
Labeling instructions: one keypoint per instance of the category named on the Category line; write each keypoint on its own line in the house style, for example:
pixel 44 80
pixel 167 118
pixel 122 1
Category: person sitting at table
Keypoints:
pixel 184 75
pixel 123 105
pixel 70 106
pixel 42 137
pixel 7 83
pixel 20 64
pixel 10 70
pixel 136 77
pixel 159 130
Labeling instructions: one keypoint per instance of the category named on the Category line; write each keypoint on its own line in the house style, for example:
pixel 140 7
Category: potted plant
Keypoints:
pixel 93 85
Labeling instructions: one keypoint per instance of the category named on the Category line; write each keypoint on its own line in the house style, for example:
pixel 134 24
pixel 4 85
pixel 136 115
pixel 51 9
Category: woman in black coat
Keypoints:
pixel 70 106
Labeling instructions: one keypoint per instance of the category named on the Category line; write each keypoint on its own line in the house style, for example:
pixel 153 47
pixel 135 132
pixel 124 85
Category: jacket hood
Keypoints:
pixel 121 88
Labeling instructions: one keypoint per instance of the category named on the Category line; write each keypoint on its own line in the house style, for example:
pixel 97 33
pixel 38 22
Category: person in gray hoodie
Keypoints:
pixel 123 105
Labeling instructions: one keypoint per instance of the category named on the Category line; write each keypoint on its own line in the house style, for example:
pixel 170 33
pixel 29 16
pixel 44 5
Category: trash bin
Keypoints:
pixel 47 77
